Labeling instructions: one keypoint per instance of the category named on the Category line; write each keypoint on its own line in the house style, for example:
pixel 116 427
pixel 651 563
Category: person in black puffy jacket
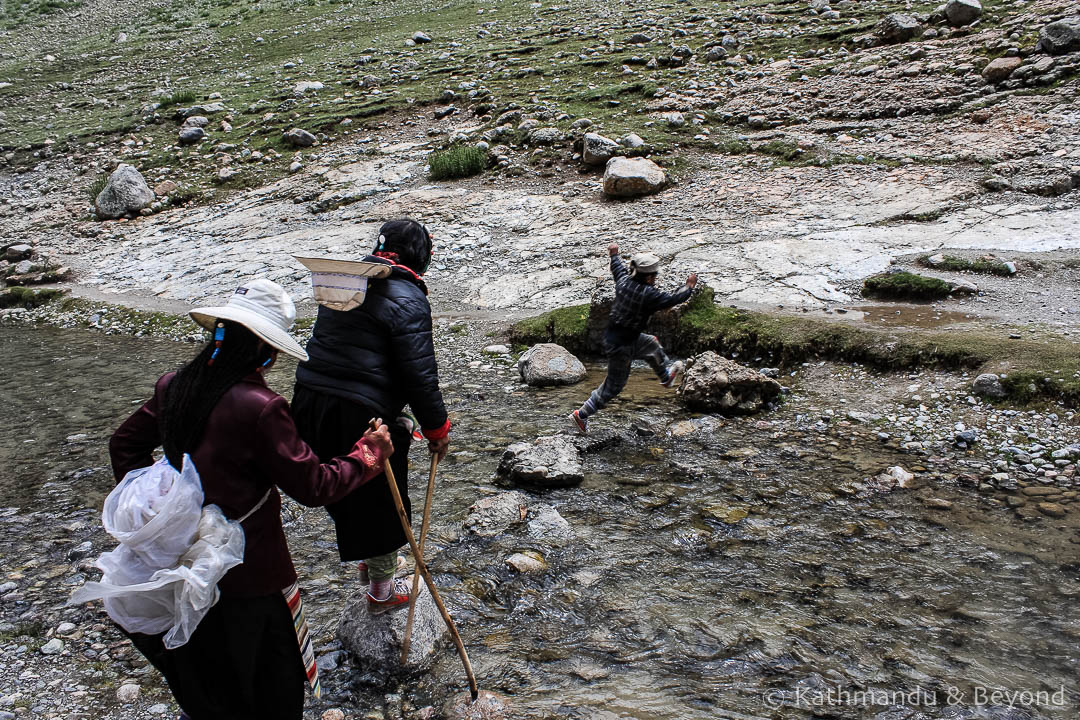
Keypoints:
pixel 371 362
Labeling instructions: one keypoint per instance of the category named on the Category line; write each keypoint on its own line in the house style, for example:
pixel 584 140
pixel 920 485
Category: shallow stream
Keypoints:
pixel 731 573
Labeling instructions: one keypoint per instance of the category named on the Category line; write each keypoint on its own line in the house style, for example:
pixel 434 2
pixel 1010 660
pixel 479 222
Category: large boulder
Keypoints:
pixel 549 461
pixel 550 364
pixel 716 384
pixel 374 640
pixel 1000 69
pixel 630 177
pixel 126 193
pixel 597 149
pixel 298 137
pixel 962 12
pixel 190 134
pixel 1063 36
pixel 898 28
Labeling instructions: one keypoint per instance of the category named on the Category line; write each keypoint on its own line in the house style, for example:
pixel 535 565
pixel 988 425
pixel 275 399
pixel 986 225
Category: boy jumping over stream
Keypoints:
pixel 636 298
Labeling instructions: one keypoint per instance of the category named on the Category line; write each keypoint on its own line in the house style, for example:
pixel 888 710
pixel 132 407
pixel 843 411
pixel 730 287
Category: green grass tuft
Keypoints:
pixel 97 186
pixel 984 266
pixel 178 97
pixel 458 161
pixel 905 286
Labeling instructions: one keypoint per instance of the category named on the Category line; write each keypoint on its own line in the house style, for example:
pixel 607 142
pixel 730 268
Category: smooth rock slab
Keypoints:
pixel 374 641
pixel 631 177
pixel 549 461
pixel 126 193
pixel 716 384
pixel 550 364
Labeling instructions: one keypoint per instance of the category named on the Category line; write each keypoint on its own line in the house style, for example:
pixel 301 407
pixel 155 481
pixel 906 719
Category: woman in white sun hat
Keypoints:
pixel 250 656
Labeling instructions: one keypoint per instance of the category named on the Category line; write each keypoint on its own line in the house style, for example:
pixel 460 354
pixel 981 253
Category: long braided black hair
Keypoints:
pixel 199 385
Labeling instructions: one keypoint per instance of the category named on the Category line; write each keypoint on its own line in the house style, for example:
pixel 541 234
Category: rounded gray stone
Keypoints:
pixel 550 364
pixel 126 193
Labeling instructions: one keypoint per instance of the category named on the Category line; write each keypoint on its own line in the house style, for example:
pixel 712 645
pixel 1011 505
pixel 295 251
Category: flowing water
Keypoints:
pixel 731 573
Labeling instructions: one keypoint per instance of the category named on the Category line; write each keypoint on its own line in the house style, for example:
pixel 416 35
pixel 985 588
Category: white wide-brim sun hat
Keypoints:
pixel 264 308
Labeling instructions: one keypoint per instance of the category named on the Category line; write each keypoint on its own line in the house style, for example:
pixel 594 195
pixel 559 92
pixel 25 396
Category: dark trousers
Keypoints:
pixel 620 357
pixel 242 662
pixel 366 520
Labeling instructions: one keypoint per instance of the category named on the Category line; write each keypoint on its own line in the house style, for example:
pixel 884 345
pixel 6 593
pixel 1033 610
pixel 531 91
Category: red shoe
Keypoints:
pixel 399 597
pixel 582 423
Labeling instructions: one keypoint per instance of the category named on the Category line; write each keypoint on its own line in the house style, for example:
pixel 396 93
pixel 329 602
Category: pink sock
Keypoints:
pixel 381 589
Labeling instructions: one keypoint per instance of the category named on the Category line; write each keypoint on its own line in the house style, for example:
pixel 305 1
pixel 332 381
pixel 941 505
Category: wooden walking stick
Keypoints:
pixel 422 568
pixel 407 641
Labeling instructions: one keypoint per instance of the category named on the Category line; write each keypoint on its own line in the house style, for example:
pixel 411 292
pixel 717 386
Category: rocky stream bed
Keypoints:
pixel 705 567
pixel 885 540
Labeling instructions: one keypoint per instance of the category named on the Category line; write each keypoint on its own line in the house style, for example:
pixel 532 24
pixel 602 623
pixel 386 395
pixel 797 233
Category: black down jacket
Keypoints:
pixel 381 354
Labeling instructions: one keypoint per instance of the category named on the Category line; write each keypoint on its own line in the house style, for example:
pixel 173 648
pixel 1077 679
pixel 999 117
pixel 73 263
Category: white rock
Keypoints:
pixel 902 477
pixel 630 177
pixel 307 86
pixel 53 647
pixel 550 364
pixel 128 693
pixel 527 562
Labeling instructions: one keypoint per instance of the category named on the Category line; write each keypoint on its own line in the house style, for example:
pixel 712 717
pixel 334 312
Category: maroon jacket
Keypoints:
pixel 250 445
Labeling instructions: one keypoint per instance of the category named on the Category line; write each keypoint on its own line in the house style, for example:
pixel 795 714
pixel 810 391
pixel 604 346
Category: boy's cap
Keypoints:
pixel 645 263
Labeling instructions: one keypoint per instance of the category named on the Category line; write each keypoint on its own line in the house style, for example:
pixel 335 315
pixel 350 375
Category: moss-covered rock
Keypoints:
pixel 25 298
pixel 905 286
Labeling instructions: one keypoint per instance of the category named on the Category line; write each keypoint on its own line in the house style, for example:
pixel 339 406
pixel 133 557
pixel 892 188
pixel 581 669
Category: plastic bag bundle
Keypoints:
pixel 163 576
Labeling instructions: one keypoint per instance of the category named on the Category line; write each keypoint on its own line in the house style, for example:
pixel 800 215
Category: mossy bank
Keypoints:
pixel 1045 367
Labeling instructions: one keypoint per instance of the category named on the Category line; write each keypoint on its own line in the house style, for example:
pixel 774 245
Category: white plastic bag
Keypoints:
pixel 163 576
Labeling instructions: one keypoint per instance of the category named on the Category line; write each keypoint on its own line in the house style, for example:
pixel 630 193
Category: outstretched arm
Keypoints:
pixel 618 267
pixel 662 300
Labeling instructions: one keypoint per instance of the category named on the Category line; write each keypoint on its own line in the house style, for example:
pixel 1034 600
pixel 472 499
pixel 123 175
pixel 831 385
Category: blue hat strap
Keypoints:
pixel 219 337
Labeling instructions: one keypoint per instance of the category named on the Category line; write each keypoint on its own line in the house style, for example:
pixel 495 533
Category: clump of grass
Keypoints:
pixel 97 186
pixel 458 161
pixel 734 147
pixel 26 298
pixel 178 97
pixel 982 265
pixel 784 150
pixel 905 286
